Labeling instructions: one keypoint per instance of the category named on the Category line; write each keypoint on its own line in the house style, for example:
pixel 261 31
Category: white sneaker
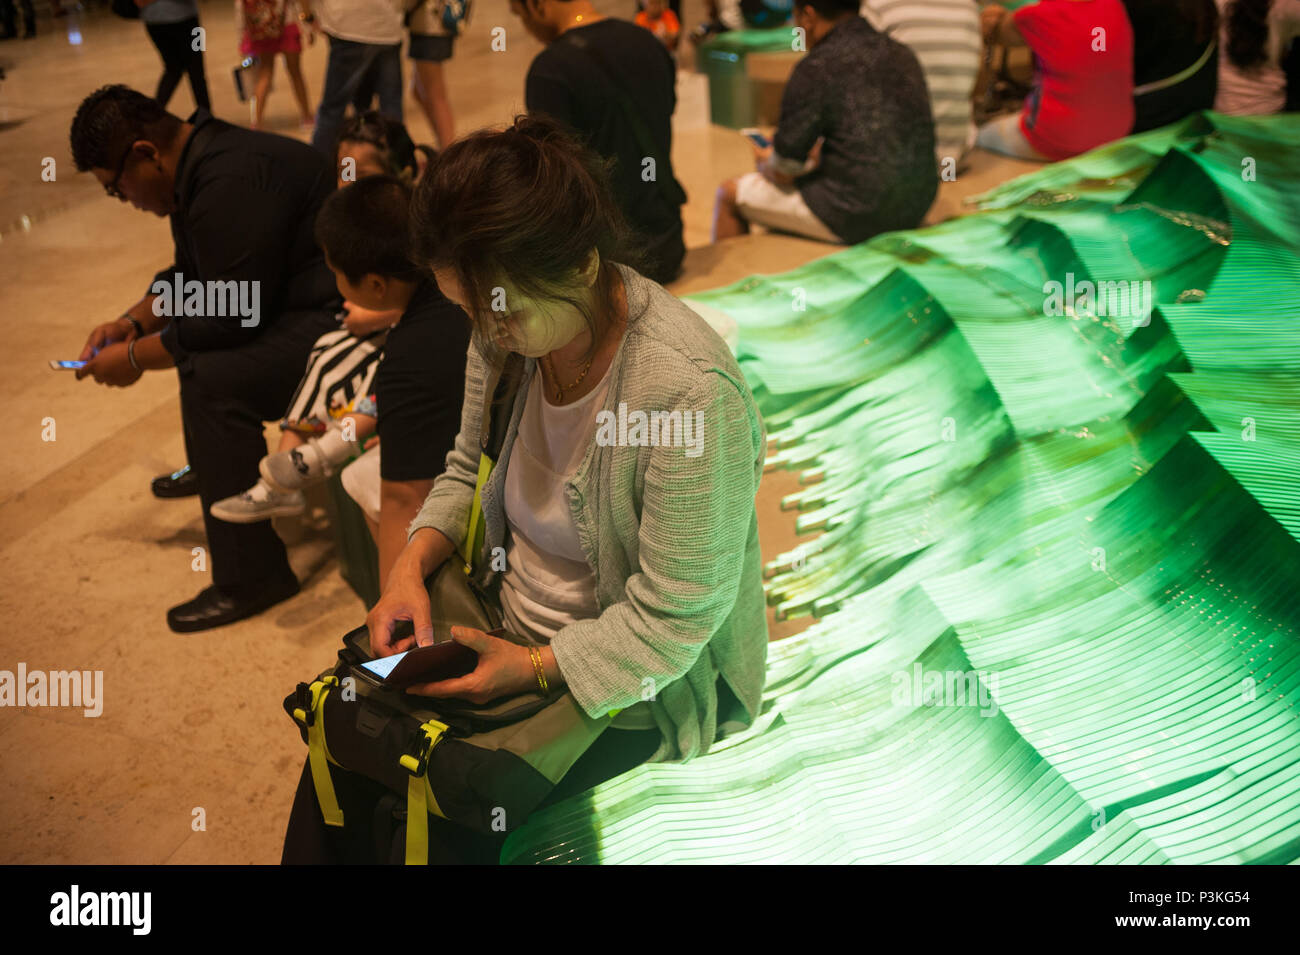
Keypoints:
pixel 261 502
pixel 310 463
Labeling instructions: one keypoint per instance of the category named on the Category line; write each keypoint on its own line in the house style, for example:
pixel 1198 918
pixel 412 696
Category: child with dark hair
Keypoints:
pixel 333 411
pixel 417 380
pixel 1255 35
pixel 378 145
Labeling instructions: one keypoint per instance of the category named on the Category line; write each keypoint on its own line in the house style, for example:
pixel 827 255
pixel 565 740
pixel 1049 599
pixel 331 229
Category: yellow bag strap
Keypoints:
pixel 317 753
pixel 476 531
pixel 419 794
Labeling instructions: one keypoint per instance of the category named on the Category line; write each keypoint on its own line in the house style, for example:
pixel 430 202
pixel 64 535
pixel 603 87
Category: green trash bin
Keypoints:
pixel 733 100
pixel 733 96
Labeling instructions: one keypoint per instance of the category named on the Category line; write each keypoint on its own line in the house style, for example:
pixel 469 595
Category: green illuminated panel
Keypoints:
pixel 1053 560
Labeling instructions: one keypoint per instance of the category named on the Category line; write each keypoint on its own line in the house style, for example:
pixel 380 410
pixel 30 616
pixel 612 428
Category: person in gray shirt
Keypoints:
pixel 853 154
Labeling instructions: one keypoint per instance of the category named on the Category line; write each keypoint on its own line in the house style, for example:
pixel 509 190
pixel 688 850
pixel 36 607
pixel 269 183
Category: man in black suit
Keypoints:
pixel 236 314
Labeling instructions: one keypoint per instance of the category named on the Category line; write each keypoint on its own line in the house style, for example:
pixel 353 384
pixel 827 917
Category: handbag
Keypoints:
pixel 484 766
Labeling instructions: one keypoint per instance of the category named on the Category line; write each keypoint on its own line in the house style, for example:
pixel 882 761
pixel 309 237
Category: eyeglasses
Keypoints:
pixel 112 189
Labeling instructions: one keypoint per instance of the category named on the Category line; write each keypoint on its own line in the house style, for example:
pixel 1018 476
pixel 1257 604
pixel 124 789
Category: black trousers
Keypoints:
pixel 375 829
pixel 226 394
pixel 175 43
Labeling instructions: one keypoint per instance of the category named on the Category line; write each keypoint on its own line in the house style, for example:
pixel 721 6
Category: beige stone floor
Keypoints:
pixel 89 560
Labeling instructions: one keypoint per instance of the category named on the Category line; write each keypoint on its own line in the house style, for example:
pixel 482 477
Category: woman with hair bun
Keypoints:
pixel 631 557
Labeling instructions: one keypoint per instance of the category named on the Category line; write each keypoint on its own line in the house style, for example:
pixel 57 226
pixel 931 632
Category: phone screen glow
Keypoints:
pixel 384 665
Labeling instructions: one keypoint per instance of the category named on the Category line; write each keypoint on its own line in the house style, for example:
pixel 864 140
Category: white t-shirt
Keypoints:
pixel 548 583
pixel 363 21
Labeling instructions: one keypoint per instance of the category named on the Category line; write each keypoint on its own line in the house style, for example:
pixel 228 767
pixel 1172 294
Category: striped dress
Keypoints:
pixel 945 36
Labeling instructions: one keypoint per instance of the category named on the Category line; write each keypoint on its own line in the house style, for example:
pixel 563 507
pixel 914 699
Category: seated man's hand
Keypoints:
pixel 110 366
pixel 504 669
pixel 118 331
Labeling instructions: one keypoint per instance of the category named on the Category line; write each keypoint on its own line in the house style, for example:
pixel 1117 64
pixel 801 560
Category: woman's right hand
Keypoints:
pixel 404 598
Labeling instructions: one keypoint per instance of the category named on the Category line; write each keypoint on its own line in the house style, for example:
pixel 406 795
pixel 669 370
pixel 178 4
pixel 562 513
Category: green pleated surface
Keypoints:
pixel 1052 555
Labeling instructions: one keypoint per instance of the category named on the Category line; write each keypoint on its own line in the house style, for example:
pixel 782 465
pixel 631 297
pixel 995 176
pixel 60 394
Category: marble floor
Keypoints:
pixel 89 560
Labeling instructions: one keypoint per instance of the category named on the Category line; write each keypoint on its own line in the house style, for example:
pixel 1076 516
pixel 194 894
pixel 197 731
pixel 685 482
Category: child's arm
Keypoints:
pixel 362 321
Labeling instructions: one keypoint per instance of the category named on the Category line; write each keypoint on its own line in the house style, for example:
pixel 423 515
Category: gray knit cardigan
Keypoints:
pixel 671 536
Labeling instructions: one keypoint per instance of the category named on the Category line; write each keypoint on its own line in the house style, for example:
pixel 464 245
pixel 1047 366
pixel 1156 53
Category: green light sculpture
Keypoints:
pixel 1053 555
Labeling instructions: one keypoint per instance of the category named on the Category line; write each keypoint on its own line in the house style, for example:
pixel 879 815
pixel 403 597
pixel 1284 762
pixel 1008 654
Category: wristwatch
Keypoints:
pixel 139 329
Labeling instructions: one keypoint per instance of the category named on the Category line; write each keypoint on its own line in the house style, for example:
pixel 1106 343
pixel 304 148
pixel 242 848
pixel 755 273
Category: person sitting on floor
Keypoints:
pixel 1083 78
pixel 853 154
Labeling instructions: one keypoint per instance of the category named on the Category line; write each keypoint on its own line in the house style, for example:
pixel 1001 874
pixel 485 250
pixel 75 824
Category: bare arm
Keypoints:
pixel 399 502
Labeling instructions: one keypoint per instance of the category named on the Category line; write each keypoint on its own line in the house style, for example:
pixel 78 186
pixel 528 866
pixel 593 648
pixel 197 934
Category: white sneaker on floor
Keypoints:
pixel 261 502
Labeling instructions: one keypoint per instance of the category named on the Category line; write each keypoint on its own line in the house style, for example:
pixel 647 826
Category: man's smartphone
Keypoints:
pixel 756 137
pixel 439 661
pixel 70 365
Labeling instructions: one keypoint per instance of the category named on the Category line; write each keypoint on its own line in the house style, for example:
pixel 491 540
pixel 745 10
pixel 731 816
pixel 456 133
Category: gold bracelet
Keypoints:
pixel 535 655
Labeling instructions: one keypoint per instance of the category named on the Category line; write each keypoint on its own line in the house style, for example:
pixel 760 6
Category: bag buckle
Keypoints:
pixel 304 712
pixel 427 737
pixel 308 697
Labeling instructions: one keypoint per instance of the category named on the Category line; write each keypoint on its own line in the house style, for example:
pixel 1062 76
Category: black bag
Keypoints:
pixel 484 766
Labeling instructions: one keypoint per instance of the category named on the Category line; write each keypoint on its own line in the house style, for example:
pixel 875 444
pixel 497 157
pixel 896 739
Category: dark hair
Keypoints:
pixel 830 9
pixel 1247 32
pixel 529 203
pixel 113 117
pixel 387 135
pixel 363 229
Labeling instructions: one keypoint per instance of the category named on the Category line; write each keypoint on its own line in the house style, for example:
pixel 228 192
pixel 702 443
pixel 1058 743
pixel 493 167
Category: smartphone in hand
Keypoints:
pixel 756 137
pixel 439 661
pixel 66 365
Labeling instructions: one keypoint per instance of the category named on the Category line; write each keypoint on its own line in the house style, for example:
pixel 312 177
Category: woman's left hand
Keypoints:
pixel 504 669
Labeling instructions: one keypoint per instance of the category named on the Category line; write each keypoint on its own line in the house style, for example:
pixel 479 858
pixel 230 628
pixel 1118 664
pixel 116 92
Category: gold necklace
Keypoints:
pixel 561 389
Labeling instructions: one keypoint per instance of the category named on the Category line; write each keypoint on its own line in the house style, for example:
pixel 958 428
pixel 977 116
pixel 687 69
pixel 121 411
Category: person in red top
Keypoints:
pixel 660 20
pixel 1083 77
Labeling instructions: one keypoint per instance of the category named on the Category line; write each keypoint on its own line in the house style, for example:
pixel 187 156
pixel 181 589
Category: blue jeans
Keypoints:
pixel 354 73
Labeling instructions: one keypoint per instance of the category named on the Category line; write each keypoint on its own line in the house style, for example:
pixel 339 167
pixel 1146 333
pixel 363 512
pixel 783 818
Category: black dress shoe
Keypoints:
pixel 182 483
pixel 213 607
